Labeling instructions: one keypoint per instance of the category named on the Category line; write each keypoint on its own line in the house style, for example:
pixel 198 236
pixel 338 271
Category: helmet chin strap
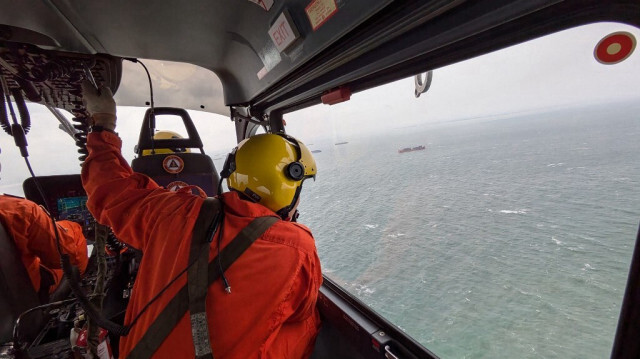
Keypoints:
pixel 284 212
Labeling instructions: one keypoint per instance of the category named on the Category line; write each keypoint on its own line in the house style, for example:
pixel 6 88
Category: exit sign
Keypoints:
pixel 283 32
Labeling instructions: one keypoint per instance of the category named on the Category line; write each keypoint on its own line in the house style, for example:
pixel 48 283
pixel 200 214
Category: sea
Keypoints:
pixel 507 237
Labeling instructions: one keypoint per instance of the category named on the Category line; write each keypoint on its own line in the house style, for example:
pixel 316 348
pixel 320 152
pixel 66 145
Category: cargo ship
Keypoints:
pixel 411 149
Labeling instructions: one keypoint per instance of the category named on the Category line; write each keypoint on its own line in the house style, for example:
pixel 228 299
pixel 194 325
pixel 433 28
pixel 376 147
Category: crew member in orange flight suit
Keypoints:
pixel 32 231
pixel 271 311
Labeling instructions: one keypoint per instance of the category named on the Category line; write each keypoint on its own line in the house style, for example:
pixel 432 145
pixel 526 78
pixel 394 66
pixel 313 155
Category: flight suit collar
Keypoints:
pixel 244 208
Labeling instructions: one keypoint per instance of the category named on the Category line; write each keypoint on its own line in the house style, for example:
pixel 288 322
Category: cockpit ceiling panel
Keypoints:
pixel 53 78
pixel 174 85
pixel 240 40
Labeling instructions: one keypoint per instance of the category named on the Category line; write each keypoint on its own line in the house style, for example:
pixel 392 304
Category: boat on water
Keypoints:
pixel 341 143
pixel 316 151
pixel 411 149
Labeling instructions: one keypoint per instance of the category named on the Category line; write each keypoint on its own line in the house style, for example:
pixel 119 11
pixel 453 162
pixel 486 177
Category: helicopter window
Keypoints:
pixel 59 155
pixel 496 214
pixel 171 123
pixel 49 155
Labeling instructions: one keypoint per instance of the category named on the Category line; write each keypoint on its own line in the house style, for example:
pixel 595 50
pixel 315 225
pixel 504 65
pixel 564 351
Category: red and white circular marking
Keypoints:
pixel 176 185
pixel 173 164
pixel 615 47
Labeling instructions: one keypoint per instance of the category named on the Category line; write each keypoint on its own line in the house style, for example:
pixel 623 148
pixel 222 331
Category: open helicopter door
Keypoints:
pixel 178 168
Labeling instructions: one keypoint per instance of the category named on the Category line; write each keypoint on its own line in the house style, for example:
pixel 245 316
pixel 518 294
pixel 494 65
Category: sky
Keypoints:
pixel 548 73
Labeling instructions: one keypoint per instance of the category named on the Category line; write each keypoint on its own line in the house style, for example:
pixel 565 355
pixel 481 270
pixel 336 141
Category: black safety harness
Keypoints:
pixel 200 276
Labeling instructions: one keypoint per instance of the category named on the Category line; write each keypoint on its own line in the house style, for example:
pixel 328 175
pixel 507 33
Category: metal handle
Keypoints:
pixel 422 85
pixel 388 354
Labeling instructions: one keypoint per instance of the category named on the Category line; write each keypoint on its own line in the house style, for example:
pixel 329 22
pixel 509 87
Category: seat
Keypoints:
pixel 174 170
pixel 16 293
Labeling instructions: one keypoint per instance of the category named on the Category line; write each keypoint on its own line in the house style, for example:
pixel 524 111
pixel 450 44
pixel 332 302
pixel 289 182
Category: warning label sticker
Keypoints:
pixel 319 11
pixel 173 164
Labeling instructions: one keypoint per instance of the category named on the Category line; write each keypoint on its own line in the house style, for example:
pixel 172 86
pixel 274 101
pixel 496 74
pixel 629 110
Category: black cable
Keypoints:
pixel 152 116
pixel 46 206
pixel 7 97
pixel 19 136
pixel 25 119
pixel 217 222
pixel 16 325
pixel 4 119
pixel 227 287
pixel 155 297
pixel 21 142
pixel 68 270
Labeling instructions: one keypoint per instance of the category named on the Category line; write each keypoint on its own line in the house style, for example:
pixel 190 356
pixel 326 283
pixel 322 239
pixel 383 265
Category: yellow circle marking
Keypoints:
pixel 614 48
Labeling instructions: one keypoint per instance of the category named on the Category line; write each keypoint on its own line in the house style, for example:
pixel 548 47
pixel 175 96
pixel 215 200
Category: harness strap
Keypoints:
pixel 178 306
pixel 197 276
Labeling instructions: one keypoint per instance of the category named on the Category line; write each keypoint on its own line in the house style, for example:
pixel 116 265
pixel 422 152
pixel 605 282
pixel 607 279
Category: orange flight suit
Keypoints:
pixel 271 312
pixel 32 231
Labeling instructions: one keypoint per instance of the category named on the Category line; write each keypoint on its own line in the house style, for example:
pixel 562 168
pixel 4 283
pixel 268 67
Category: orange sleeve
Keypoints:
pixel 296 337
pixel 130 203
pixel 41 239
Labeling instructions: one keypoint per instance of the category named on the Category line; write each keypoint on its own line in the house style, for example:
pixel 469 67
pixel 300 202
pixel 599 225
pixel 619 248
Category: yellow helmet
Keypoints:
pixel 270 169
pixel 166 135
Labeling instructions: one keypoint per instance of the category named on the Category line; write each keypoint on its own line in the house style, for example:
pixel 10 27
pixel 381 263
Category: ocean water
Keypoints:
pixel 507 237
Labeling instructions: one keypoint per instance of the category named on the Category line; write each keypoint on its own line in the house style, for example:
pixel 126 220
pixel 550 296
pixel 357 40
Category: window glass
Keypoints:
pixel 496 214
pixel 59 155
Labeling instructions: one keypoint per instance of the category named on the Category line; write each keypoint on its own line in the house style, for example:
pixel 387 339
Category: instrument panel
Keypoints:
pixel 65 198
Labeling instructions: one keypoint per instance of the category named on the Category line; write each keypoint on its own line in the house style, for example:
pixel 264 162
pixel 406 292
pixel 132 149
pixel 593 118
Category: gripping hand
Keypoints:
pixel 100 105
